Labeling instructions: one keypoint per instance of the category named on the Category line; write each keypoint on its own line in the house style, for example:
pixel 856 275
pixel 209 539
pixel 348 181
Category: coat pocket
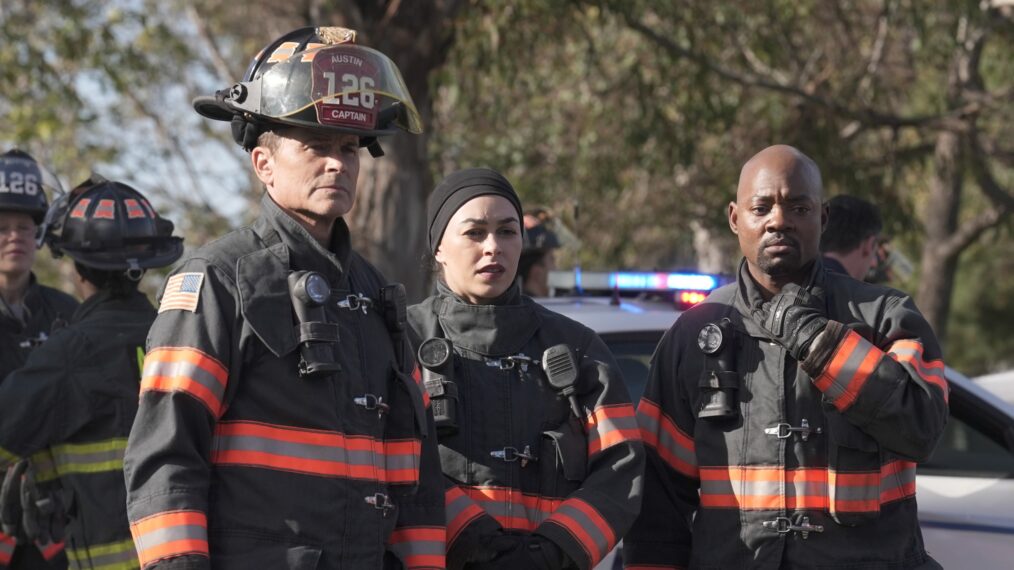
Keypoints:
pixel 854 472
pixel 564 456
pixel 242 551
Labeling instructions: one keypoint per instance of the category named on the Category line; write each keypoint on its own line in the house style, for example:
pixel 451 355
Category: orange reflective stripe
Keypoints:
pixel 775 488
pixel 587 526
pixel 316 452
pixel 7 544
pixel 910 352
pixel 660 432
pixel 170 534
pixel 50 550
pixel 850 367
pixel 611 425
pixel 511 508
pixel 460 511
pixel 419 547
pixel 188 370
pixel 417 376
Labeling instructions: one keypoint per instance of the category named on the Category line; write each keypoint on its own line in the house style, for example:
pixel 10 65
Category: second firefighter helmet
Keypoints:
pixel 24 183
pixel 316 78
pixel 110 226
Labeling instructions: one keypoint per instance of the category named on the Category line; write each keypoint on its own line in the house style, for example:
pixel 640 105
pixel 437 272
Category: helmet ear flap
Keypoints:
pixel 245 132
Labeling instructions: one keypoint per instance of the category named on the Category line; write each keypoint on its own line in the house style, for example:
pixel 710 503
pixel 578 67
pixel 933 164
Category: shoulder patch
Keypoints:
pixel 182 292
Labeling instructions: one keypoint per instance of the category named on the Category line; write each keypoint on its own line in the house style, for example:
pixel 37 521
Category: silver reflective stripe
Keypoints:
pixel 157 537
pixel 666 441
pixel 154 366
pixel 113 556
pixel 601 542
pixel 850 368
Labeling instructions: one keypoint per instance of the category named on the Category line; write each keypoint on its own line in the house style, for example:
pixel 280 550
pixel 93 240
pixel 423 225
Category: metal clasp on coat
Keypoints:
pixel 381 502
pixel 508 362
pixel 510 454
pixel 783 430
pixel 357 302
pixel 784 525
pixel 34 341
pixel 371 402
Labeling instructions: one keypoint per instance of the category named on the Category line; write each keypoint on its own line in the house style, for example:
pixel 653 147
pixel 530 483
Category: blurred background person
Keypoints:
pixel 29 311
pixel 851 241
pixel 76 396
pixel 538 253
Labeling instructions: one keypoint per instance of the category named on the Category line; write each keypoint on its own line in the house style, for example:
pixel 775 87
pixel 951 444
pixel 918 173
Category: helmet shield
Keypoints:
pixel 24 183
pixel 344 87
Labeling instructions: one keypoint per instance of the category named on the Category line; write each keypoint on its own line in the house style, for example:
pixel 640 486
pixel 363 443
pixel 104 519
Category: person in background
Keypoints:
pixel 76 396
pixel 538 253
pixel 29 313
pixel 851 241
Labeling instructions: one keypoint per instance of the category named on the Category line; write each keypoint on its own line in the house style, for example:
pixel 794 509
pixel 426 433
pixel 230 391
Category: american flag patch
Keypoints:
pixel 182 292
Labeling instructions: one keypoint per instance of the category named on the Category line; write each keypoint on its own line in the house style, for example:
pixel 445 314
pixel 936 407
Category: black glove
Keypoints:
pixel 534 553
pixel 10 499
pixel 794 318
pixel 492 546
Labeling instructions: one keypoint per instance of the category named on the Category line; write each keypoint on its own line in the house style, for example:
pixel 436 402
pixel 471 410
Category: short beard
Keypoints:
pixel 781 266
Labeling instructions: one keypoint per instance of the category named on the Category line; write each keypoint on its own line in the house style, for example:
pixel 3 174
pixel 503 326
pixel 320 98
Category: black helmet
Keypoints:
pixel 23 184
pixel 110 226
pixel 539 238
pixel 316 78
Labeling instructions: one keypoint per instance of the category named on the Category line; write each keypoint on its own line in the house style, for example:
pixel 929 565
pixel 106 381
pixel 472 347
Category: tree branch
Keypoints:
pixel 218 61
pixel 949 121
pixel 970 231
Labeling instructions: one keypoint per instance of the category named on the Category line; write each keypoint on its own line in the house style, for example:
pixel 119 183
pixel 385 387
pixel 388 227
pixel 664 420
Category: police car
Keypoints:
pixel 966 489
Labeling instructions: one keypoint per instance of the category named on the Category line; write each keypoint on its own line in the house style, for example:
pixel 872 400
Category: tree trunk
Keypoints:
pixel 939 266
pixel 388 223
pixel 390 215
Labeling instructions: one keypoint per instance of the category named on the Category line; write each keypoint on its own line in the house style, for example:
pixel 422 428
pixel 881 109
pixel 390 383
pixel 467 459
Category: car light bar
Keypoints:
pixel 632 281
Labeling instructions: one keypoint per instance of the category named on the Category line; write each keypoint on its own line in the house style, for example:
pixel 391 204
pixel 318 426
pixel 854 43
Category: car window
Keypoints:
pixel 633 355
pixel 974 443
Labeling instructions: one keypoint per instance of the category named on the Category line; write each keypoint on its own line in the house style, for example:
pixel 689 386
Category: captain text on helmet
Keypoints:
pixel 73 402
pixel 280 425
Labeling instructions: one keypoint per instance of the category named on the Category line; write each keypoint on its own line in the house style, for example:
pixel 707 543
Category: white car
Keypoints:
pixel 999 383
pixel 965 491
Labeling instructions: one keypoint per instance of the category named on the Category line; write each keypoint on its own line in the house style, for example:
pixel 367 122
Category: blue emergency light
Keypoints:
pixel 628 281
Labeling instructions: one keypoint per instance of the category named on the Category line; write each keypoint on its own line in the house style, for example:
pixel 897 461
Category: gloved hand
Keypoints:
pixel 794 318
pixel 492 546
pixel 10 499
pixel 534 553
pixel 43 516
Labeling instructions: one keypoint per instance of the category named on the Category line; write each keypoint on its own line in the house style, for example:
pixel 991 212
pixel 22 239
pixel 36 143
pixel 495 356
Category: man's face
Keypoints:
pixel 17 243
pixel 778 217
pixel 310 174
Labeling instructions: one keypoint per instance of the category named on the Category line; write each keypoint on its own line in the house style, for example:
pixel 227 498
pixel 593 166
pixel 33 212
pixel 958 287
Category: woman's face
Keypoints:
pixel 480 249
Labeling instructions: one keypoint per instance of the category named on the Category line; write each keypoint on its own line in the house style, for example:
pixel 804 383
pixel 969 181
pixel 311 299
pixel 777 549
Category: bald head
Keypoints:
pixel 778 215
pixel 781 160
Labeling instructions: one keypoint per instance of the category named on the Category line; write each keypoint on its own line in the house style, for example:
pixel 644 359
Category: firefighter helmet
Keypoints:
pixel 110 226
pixel 316 78
pixel 23 184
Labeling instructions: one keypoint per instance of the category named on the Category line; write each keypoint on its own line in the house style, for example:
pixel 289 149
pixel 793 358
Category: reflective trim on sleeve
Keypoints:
pixel 611 425
pixel 7 544
pixel 419 547
pixel 511 508
pixel 910 352
pixel 188 370
pixel 96 457
pixel 316 452
pixel 169 535
pixel 112 556
pixel 460 512
pixel 49 550
pixel 587 526
pixel 661 433
pixel 850 367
